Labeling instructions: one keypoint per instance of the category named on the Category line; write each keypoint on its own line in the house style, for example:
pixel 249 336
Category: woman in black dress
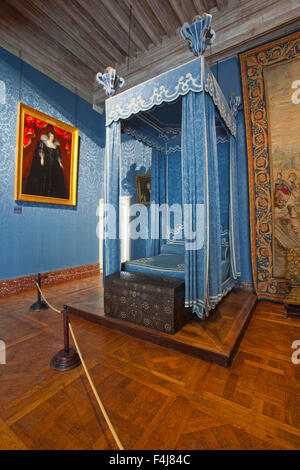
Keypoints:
pixel 46 177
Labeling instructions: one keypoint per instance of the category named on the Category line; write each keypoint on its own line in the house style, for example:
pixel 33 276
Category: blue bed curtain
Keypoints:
pixel 203 269
pixel 158 197
pixel 234 229
pixel 111 240
pixel 194 166
pixel 224 179
pixel 214 290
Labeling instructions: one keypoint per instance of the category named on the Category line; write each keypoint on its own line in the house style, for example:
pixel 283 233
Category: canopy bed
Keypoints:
pixel 179 128
pixel 208 264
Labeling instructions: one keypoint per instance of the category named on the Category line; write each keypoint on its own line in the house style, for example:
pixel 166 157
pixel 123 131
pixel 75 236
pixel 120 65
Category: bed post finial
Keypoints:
pixel 234 103
pixel 198 34
pixel 110 81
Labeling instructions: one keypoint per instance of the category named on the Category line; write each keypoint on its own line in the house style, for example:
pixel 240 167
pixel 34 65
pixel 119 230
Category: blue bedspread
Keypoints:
pixel 170 265
pixel 170 262
pixel 166 264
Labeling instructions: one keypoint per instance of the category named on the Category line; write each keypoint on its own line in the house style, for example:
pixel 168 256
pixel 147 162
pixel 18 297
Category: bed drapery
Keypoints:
pixel 195 200
pixel 158 197
pixel 234 212
pixel 203 275
pixel 112 165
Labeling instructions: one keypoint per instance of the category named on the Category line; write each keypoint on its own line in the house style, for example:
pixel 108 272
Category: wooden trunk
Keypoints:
pixel 154 302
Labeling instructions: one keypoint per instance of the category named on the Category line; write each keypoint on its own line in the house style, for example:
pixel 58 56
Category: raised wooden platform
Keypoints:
pixel 215 340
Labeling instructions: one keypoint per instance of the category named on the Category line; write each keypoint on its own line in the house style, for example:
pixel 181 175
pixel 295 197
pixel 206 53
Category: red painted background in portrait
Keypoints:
pixel 33 130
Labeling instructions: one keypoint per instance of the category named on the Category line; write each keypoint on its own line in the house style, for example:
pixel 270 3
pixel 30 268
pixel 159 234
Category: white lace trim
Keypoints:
pixel 160 95
pixel 169 133
pixel 175 149
pixel 212 87
pixel 143 138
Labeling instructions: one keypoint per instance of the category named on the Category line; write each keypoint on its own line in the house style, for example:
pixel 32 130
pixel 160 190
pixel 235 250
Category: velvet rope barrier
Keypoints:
pixel 101 406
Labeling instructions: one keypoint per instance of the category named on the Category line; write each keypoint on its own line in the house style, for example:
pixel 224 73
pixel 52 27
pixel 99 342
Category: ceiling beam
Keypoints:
pixel 68 17
pixel 121 13
pixel 20 28
pixel 201 6
pixel 46 24
pixel 159 9
pixel 144 20
pixel 37 56
pixel 236 27
pixel 222 4
pixel 184 9
pixel 105 22
pixel 178 10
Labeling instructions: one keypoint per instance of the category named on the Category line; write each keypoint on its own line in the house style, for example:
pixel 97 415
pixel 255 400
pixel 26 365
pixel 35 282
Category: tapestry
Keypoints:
pixel 271 89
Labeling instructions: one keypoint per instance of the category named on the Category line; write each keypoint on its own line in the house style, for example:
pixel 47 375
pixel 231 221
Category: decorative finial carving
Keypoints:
pixel 198 34
pixel 234 103
pixel 110 81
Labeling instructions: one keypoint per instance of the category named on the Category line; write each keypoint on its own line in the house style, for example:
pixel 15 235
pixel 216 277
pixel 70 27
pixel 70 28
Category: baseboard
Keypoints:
pixel 21 284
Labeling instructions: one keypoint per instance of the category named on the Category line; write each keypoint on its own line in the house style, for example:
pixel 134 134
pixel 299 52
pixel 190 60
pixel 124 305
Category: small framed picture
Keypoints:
pixel 144 188
pixel 47 153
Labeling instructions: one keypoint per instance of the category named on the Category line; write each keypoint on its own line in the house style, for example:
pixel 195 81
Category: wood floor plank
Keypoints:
pixel 8 439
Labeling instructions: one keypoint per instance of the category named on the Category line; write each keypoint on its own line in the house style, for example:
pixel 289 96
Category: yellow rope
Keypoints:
pixel 95 392
pixel 115 436
pixel 44 298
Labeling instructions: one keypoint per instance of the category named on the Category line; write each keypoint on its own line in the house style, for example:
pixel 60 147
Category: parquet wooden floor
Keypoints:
pixel 156 398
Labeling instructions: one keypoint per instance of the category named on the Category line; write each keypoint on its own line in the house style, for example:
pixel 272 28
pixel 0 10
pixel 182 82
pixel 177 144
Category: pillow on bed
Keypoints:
pixel 173 248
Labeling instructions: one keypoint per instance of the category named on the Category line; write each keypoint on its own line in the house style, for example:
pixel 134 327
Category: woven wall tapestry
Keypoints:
pixel 271 89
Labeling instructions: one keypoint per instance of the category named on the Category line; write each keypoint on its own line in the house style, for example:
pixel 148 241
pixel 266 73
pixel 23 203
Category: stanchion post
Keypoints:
pixel 66 358
pixel 66 329
pixel 39 304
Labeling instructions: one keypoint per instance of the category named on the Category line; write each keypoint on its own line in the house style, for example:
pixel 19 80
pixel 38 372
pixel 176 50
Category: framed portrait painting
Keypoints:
pixel 271 89
pixel 47 153
pixel 144 188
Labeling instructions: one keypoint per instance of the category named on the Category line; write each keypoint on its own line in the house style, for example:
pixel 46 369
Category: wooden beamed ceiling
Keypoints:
pixel 72 40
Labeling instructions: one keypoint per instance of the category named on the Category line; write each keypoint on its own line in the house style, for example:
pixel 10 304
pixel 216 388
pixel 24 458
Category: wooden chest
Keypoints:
pixel 154 302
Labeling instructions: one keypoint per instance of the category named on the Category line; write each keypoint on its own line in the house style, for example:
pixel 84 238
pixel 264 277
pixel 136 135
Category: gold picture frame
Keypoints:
pixel 268 73
pixel 46 159
pixel 144 188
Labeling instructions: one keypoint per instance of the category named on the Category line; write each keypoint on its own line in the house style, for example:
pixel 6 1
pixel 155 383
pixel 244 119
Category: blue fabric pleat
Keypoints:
pixel 203 266
pixel 158 197
pixel 215 292
pixel 234 230
pixel 194 159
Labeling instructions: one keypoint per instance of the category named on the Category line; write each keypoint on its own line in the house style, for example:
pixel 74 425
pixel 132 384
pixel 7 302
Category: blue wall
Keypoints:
pixel 47 237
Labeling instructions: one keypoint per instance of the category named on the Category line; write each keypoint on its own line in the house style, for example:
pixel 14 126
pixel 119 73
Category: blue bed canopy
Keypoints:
pixel 203 133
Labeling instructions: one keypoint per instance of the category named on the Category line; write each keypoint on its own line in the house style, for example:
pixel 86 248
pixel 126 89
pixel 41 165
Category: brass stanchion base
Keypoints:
pixel 63 360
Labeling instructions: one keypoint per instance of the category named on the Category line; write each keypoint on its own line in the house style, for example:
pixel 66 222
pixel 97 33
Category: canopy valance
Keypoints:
pixel 194 76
